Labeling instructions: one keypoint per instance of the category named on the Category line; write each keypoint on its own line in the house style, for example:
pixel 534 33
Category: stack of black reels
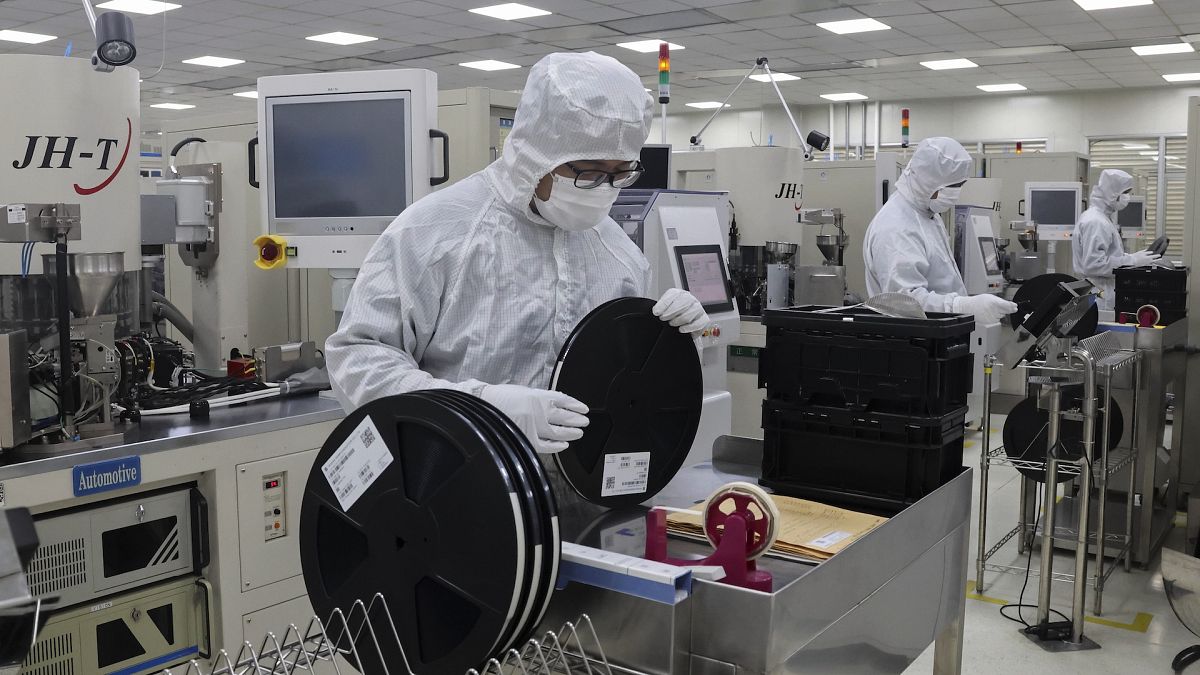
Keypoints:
pixel 436 501
pixel 1158 287
pixel 861 408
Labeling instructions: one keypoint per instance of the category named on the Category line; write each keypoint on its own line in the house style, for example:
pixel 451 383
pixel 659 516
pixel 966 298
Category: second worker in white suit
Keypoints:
pixel 907 247
pixel 477 287
pixel 1096 248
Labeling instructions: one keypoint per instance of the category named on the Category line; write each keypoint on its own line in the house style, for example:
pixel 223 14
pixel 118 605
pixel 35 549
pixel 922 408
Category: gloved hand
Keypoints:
pixel 549 419
pixel 988 309
pixel 1143 258
pixel 682 310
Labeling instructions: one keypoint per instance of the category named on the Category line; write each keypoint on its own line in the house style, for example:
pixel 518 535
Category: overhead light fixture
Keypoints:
pixel 247 94
pixel 139 6
pixel 1182 77
pixel 213 61
pixel 1135 146
pixel 708 105
pixel 1093 5
pixel 510 11
pixel 848 96
pixel 950 64
pixel 778 77
pixel 1169 48
pixel 854 26
pixel 23 37
pixel 340 38
pixel 995 88
pixel 172 106
pixel 489 65
pixel 648 46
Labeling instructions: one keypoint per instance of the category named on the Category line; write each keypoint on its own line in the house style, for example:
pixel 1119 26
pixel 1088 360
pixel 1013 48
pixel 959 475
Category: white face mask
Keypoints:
pixel 574 209
pixel 1122 201
pixel 946 198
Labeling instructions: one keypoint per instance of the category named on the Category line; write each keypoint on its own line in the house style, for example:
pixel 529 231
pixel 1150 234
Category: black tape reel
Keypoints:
pixel 1026 432
pixel 439 532
pixel 641 379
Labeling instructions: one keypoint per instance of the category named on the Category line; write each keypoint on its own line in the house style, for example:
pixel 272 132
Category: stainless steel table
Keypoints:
pixel 873 608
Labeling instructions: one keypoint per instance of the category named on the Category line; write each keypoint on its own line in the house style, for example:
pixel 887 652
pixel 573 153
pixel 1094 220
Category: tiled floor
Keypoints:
pixel 993 644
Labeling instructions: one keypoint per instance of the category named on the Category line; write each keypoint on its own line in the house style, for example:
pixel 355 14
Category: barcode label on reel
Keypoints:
pixel 357 464
pixel 626 474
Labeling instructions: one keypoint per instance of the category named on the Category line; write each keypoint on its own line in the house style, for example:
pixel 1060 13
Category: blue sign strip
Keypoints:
pixel 164 660
pixel 113 474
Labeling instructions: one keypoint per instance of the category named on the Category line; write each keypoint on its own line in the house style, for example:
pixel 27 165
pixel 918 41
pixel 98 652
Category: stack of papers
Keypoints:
pixel 808 531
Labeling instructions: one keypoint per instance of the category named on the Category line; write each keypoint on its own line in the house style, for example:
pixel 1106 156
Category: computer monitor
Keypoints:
pixel 1055 207
pixel 702 273
pixel 991 256
pixel 338 161
pixel 656 159
pixel 1133 216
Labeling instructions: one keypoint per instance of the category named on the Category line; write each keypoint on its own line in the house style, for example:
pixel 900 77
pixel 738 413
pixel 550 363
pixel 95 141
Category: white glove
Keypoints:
pixel 1143 259
pixel 988 309
pixel 682 310
pixel 549 419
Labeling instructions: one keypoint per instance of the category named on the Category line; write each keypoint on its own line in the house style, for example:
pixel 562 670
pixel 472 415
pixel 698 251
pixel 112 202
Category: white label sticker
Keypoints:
pixel 829 540
pixel 357 463
pixel 626 474
pixel 16 214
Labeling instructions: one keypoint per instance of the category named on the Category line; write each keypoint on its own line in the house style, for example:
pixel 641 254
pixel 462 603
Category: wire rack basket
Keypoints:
pixel 367 632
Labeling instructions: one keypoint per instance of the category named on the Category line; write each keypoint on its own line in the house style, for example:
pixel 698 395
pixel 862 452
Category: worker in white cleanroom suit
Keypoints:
pixel 1096 248
pixel 907 247
pixel 477 287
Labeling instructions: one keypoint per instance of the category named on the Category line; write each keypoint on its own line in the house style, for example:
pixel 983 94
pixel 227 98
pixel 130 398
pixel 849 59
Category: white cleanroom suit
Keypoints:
pixel 1096 248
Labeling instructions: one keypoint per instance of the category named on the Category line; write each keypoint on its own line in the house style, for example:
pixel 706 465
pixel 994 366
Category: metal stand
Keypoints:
pixel 366 632
pixel 1092 359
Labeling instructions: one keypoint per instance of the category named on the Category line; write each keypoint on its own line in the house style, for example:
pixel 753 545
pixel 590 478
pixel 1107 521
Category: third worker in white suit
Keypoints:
pixel 1096 248
pixel 907 247
pixel 477 287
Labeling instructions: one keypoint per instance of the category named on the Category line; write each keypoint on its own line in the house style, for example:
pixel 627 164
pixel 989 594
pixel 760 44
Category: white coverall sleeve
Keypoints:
pixel 1096 257
pixel 390 317
pixel 901 265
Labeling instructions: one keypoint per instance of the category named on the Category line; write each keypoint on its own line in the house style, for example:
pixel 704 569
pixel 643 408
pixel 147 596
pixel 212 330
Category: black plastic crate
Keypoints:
pixel 1169 303
pixel 863 361
pixel 1157 279
pixel 874 460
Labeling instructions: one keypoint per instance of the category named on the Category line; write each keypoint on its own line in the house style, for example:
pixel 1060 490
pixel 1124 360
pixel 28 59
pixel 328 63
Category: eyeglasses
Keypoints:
pixel 586 179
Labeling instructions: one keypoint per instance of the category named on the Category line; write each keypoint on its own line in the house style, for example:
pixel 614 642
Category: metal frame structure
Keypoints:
pixel 367 630
pixel 1097 357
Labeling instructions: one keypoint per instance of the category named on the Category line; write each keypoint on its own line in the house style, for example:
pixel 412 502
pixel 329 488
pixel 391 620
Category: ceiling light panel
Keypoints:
pixel 648 46
pixel 847 96
pixel 1093 5
pixel 854 26
pixel 341 38
pixel 172 106
pixel 138 6
pixel 707 105
pixel 24 38
pixel 950 64
pixel 489 65
pixel 213 61
pixel 1182 77
pixel 995 88
pixel 1158 50
pixel 510 11
pixel 778 77
pixel 246 94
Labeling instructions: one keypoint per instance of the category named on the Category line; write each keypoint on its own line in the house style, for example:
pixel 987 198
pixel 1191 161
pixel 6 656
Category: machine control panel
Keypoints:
pixel 274 506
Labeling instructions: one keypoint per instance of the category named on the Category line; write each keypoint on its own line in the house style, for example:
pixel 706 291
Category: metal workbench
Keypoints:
pixel 872 608
pixel 172 432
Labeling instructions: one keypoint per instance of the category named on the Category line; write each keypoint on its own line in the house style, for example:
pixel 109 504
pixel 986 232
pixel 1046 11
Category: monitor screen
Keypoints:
pixel 991 257
pixel 656 159
pixel 1054 207
pixel 339 158
pixel 1132 216
pixel 702 272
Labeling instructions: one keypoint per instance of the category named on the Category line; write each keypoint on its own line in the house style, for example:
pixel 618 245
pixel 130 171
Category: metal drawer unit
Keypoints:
pixel 97 550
